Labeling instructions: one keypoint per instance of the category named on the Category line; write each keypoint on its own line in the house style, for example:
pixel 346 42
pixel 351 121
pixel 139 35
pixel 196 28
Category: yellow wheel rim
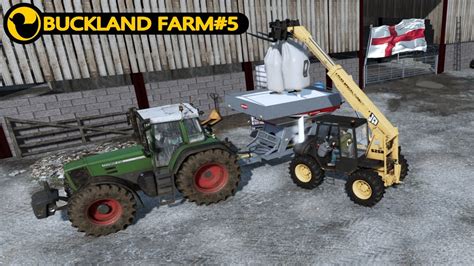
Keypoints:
pixel 362 189
pixel 303 173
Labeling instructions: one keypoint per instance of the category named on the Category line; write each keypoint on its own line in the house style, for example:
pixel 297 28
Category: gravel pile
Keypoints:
pixel 50 167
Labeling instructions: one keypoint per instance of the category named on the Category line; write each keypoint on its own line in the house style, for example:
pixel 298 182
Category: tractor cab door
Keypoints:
pixel 166 139
pixel 327 139
pixel 347 155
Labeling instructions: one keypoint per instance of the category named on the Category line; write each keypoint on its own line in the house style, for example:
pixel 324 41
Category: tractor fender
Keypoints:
pixel 104 180
pixel 193 150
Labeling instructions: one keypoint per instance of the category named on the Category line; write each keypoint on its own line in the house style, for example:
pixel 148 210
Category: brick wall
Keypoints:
pixel 467 55
pixel 196 90
pixel 351 66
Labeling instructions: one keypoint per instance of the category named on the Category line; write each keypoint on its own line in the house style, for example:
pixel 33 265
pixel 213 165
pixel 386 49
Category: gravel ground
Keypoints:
pixel 427 220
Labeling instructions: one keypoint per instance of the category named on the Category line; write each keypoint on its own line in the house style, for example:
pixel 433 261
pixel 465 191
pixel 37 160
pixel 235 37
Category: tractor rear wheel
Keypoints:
pixel 365 187
pixel 404 164
pixel 305 172
pixel 209 177
pixel 100 210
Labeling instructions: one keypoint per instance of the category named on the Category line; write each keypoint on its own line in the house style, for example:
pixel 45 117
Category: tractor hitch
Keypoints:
pixel 44 201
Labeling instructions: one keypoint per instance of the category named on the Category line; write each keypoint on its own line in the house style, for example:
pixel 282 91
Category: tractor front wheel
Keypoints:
pixel 365 187
pixel 100 210
pixel 209 177
pixel 305 172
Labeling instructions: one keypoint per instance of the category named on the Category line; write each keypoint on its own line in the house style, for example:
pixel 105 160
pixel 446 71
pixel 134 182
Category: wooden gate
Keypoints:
pixel 36 137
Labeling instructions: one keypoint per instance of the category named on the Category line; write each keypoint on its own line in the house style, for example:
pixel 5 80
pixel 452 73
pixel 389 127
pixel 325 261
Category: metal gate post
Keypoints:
pixel 140 90
pixel 403 69
pixel 5 151
pixel 442 41
pixel 328 81
pixel 248 71
pixel 361 54
pixel 366 69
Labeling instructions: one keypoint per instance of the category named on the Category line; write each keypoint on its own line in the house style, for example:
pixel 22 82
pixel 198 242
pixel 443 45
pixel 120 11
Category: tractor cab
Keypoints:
pixel 341 142
pixel 165 128
pixel 185 156
pixel 340 145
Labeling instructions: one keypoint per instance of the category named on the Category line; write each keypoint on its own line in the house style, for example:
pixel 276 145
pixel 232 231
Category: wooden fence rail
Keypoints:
pixel 36 137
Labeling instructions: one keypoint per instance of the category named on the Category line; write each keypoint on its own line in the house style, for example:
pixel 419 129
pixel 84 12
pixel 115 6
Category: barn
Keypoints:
pixel 50 88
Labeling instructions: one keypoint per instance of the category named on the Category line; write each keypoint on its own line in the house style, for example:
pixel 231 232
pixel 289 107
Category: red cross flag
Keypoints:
pixel 406 36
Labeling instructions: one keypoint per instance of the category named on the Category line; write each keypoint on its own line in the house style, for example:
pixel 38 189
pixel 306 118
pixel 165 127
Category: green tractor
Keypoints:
pixel 176 152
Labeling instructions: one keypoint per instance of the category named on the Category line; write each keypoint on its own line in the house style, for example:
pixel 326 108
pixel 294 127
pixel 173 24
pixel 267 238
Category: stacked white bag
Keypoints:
pixel 295 66
pixel 273 61
pixel 288 70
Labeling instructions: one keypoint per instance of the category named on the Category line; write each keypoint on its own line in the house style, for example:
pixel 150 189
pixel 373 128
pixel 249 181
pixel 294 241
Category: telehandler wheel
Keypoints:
pixel 305 172
pixel 365 187
pixel 209 177
pixel 404 163
pixel 100 210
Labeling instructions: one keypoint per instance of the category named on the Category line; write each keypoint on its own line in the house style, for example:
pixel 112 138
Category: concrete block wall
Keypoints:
pixel 63 106
pixel 467 55
pixel 196 90
pixel 351 65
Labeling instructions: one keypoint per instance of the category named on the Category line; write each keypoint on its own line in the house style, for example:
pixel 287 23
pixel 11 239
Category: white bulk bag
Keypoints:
pixel 295 66
pixel 273 63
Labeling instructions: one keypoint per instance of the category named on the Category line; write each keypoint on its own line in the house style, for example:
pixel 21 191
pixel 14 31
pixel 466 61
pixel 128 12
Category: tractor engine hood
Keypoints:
pixel 117 157
pixel 114 163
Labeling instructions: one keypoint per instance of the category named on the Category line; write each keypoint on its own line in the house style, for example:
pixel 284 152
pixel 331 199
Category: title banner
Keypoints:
pixel 25 23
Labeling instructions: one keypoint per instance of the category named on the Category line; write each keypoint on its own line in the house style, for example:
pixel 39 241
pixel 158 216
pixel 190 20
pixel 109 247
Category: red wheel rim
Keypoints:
pixel 104 211
pixel 211 178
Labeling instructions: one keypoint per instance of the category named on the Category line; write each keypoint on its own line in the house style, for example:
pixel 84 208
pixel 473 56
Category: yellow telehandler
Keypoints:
pixel 365 149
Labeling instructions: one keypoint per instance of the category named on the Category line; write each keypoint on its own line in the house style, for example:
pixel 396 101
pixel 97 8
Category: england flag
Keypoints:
pixel 406 36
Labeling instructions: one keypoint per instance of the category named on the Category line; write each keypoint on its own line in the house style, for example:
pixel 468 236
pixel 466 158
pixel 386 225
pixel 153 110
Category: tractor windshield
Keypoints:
pixel 167 137
pixel 194 130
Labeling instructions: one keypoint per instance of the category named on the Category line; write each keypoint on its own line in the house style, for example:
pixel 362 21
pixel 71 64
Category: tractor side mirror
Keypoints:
pixel 208 130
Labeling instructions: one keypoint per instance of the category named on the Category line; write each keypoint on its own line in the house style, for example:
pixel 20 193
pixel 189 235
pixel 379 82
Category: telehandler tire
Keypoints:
pixel 306 172
pixel 100 210
pixel 404 163
pixel 365 187
pixel 209 177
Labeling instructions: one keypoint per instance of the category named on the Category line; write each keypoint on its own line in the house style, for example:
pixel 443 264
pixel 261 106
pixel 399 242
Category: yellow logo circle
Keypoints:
pixel 23 23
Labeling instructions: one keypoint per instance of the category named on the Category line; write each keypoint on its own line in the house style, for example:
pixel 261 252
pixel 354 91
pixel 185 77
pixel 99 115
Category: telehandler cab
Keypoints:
pixel 340 144
pixel 175 152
